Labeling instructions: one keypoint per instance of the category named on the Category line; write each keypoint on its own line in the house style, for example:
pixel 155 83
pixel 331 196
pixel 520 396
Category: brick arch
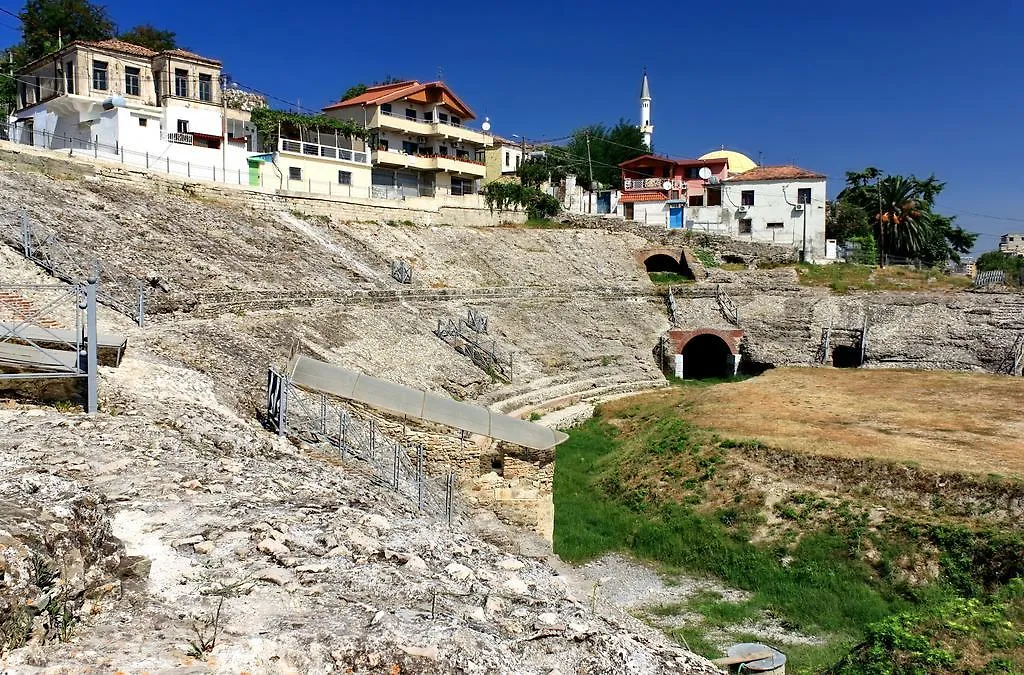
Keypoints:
pixel 680 337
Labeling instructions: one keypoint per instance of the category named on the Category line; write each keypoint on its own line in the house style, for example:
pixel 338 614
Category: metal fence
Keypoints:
pixel 730 310
pixel 989 278
pixel 317 419
pixel 45 248
pixel 488 357
pixel 401 271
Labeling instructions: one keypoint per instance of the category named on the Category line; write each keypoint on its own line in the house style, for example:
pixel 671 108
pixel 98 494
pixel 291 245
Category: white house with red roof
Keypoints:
pixel 422 139
pixel 726 193
pixel 123 101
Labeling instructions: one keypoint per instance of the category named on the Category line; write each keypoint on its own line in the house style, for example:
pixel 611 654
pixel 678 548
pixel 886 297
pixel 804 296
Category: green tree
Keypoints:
pixel 844 220
pixel 900 210
pixel 607 149
pixel 547 167
pixel 45 21
pixel 997 260
pixel 353 91
pixel 151 37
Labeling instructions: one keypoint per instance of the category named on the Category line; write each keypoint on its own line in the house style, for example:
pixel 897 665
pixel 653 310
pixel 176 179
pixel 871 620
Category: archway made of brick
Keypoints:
pixel 707 355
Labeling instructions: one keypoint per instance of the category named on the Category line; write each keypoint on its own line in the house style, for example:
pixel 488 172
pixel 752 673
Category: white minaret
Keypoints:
pixel 646 128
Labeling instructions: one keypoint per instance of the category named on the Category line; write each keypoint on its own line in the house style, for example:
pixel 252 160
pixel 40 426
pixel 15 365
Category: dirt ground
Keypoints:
pixel 943 421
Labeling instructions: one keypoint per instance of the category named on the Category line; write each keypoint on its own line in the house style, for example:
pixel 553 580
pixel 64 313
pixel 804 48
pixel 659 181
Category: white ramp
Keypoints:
pixel 418 404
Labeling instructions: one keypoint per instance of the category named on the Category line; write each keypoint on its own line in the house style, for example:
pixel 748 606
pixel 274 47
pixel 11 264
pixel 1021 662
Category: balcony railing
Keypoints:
pixel 175 137
pixel 435 124
pixel 328 151
pixel 651 184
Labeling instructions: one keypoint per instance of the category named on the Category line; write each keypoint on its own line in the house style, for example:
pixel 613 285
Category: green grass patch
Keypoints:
pixel 669 278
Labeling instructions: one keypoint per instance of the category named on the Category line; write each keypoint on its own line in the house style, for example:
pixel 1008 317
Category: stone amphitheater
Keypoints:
pixel 173 511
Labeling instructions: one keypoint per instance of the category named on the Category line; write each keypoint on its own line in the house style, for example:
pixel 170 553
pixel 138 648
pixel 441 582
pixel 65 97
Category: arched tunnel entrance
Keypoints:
pixel 664 263
pixel 707 356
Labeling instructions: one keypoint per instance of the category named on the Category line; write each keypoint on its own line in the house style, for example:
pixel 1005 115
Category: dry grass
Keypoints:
pixel 939 420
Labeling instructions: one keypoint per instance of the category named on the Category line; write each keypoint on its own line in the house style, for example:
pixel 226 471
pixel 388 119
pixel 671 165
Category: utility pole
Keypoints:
pixel 223 129
pixel 881 224
pixel 590 165
pixel 522 149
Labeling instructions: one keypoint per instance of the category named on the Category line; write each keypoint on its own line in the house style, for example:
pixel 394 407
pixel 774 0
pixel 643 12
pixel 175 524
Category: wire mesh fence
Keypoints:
pixel 488 357
pixel 317 419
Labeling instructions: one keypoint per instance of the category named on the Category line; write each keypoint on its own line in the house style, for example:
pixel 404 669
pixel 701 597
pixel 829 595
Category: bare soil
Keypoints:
pixel 943 421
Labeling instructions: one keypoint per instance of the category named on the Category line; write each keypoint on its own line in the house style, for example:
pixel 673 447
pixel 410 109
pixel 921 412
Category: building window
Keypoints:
pixel 461 186
pixel 410 114
pixel 131 81
pixel 206 88
pixel 696 200
pixel 443 117
pixel 714 196
pixel 517 162
pixel 182 126
pixel 803 196
pixel 508 158
pixel 409 148
pixel 382 144
pixel 692 172
pixel 344 178
pixel 428 116
pixel 99 75
pixel 426 150
pixel 23 93
pixel 747 198
pixel 180 83
pixel 143 121
pixel 39 90
pixel 774 226
pixel 456 122
pixel 746 226
pixel 385 108
pixel 294 173
pixel 442 150
pixel 69 77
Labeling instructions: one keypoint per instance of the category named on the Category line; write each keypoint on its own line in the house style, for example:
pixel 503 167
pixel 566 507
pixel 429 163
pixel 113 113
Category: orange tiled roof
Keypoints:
pixel 116 45
pixel 185 54
pixel 784 172
pixel 386 93
pixel 629 197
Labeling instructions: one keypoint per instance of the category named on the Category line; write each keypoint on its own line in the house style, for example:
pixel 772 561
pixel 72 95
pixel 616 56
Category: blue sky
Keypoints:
pixel 905 85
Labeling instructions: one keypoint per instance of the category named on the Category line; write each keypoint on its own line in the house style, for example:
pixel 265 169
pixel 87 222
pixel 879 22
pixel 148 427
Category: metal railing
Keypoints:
pixel 45 248
pixel 989 278
pixel 488 357
pixel 401 271
pixel 730 310
pixel 651 184
pixel 317 150
pixel 316 419
pixel 477 321
pixel 177 137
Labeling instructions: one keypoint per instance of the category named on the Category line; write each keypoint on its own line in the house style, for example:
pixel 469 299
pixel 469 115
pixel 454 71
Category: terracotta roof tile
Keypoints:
pixel 185 54
pixel 784 172
pixel 629 197
pixel 115 45
pixel 386 93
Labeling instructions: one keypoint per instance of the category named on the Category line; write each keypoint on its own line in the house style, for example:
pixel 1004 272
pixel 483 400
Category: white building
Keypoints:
pixel 1012 243
pixel 121 100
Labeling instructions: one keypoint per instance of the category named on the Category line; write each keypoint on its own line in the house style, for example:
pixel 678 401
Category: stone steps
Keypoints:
pixel 577 389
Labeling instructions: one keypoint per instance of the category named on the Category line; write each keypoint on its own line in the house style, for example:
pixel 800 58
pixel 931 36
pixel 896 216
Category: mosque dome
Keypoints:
pixel 738 162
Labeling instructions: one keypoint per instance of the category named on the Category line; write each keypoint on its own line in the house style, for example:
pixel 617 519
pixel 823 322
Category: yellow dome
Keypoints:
pixel 738 162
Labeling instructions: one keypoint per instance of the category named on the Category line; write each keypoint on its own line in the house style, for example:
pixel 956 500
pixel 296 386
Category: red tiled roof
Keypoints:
pixel 185 54
pixel 784 172
pixel 629 197
pixel 115 45
pixel 676 162
pixel 386 93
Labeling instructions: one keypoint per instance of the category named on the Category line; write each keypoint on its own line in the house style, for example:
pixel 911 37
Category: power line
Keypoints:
pixel 10 13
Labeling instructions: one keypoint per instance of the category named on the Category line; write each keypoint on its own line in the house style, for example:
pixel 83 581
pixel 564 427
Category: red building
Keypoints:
pixel 652 184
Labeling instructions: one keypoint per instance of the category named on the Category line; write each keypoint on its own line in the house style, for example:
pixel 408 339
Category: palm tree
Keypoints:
pixel 902 213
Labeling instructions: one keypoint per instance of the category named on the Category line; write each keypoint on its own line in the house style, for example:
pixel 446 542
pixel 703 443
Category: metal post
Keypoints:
pixel 188 169
pixel 92 401
pixel 147 159
pixel 449 497
pixel 341 434
pixel 419 476
pixel 215 174
pixel 282 405
pixel 373 439
pixel 142 306
pixel 343 421
pixel 26 235
pixel 398 450
pixel 323 414
pixel 168 165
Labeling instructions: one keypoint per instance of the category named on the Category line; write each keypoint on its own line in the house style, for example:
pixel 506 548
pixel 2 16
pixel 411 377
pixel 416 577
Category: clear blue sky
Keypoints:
pixel 905 85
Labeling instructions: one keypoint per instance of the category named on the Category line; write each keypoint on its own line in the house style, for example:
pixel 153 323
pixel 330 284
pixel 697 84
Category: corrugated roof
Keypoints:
pixel 783 172
pixel 416 403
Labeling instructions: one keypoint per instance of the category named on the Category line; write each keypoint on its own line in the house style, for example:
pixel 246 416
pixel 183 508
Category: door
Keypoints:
pixel 627 211
pixel 675 218
pixel 604 202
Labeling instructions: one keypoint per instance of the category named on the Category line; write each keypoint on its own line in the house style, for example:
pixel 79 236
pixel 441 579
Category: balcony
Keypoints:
pixel 447 163
pixel 652 184
pixel 179 138
pixel 390 120
pixel 322 151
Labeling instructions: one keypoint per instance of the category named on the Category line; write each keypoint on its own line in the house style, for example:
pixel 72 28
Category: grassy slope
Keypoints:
pixel 644 481
pixel 844 277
